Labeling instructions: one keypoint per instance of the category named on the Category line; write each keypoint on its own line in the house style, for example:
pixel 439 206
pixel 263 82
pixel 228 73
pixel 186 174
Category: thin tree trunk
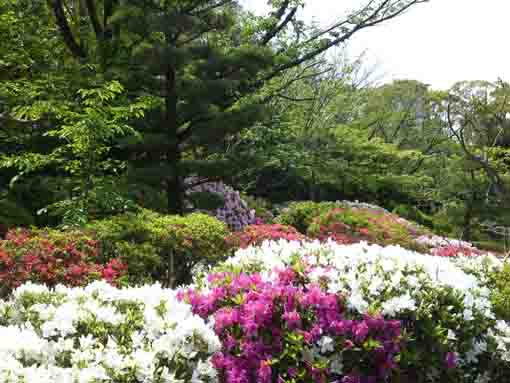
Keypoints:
pixel 175 192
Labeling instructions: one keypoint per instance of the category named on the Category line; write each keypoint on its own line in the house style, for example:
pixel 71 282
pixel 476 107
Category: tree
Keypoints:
pixel 477 117
pixel 405 113
pixel 203 60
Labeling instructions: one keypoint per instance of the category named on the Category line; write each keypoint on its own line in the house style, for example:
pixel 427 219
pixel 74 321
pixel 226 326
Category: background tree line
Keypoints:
pixel 110 104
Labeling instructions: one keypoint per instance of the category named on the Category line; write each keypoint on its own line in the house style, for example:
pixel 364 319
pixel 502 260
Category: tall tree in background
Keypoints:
pixel 203 60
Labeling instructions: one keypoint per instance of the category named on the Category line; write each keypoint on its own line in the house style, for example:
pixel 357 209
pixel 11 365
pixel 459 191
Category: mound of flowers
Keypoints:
pixel 323 312
pixel 52 257
pixel 348 225
pixel 254 235
pixel 103 334
pixel 447 247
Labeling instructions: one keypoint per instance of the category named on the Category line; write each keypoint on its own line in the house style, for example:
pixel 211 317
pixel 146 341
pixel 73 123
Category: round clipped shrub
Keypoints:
pixel 54 257
pixel 256 234
pixel 301 214
pixel 312 312
pixel 102 334
pixel 162 247
pixel 230 208
pixel 351 225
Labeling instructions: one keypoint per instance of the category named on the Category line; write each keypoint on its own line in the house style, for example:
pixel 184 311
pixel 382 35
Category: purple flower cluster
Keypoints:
pixel 289 329
pixel 235 212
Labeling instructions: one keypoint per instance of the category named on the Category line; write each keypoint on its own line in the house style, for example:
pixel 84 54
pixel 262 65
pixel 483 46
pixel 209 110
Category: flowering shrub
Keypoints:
pixel 455 251
pixel 352 225
pixel 446 247
pixel 438 241
pixel 267 329
pixel 357 313
pixel 234 211
pixel 53 257
pixel 256 234
pixel 301 214
pixel 103 334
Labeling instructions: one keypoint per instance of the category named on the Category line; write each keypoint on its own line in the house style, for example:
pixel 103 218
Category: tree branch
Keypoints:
pixel 94 19
pixel 270 34
pixel 369 21
pixel 67 34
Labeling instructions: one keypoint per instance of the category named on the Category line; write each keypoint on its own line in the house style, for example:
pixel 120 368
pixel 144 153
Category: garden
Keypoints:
pixel 357 294
pixel 192 191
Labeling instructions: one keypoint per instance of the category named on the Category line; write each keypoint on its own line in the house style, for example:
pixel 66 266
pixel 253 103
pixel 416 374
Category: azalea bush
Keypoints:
pixel 256 234
pixel 447 247
pixel 351 225
pixel 230 208
pixel 323 312
pixel 160 247
pixel 52 257
pixel 301 214
pixel 103 334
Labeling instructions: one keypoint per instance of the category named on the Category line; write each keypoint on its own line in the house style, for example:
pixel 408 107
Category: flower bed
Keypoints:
pixel 53 257
pixel 352 225
pixel 102 334
pixel 447 247
pixel 359 313
pixel 254 235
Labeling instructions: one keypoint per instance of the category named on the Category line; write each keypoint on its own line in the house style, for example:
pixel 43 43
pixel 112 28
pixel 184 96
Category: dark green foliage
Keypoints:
pixel 205 200
pixel 161 247
pixel 12 214
pixel 414 214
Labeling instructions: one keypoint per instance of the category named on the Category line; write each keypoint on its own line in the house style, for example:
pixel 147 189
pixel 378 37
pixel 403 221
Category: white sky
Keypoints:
pixel 438 43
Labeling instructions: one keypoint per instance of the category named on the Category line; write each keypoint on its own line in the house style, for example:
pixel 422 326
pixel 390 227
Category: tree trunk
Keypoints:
pixel 468 216
pixel 175 187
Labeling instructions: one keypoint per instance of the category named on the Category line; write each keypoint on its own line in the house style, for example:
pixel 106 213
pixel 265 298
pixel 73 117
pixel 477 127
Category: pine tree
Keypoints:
pixel 201 63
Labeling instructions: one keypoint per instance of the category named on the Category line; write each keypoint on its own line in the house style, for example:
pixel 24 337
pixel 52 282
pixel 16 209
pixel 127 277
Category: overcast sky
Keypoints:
pixel 438 43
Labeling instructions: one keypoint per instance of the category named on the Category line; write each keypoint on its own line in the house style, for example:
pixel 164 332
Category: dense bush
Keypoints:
pixel 52 257
pixel 500 290
pixel 256 234
pixel 261 207
pixel 160 247
pixel 12 214
pixel 351 225
pixel 102 334
pixel 301 214
pixel 311 312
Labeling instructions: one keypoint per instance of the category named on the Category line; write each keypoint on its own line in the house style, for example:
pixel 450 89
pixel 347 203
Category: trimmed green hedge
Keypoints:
pixel 161 247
